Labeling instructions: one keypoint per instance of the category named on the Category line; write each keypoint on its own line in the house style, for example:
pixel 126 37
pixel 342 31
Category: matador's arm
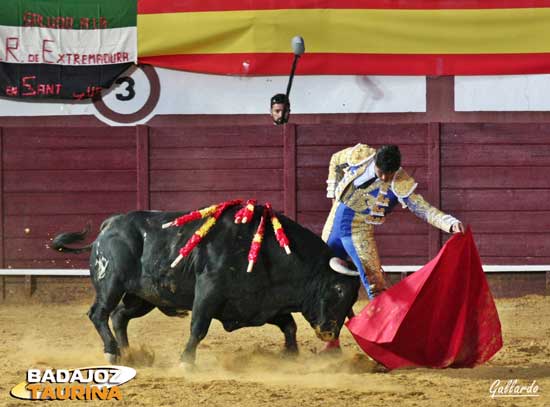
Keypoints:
pixel 421 208
pixel 403 186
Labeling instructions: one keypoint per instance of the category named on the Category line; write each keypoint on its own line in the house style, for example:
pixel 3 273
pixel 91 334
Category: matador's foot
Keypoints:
pixel 331 347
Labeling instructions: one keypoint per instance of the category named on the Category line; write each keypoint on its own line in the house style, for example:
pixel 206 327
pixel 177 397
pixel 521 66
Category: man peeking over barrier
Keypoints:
pixel 279 108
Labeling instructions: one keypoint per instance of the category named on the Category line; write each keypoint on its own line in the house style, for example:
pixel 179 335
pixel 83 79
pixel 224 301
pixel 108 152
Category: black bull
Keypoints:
pixel 131 261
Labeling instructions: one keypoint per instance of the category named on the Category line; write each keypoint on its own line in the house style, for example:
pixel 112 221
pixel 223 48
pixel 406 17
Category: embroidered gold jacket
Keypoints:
pixel 374 199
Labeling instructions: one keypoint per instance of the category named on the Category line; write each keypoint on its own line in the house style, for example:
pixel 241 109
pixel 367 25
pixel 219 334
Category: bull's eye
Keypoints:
pixel 339 290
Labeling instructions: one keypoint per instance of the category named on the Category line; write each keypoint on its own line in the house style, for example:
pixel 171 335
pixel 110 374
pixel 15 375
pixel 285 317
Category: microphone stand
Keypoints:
pixel 291 77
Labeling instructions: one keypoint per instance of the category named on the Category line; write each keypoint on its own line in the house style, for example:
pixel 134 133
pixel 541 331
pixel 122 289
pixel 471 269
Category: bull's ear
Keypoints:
pixel 340 266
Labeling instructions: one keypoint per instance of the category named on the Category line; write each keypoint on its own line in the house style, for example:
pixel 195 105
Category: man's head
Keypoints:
pixel 387 162
pixel 280 108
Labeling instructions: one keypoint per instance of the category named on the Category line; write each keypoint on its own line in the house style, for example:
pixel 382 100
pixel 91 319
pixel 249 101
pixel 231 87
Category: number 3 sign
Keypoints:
pixel 132 98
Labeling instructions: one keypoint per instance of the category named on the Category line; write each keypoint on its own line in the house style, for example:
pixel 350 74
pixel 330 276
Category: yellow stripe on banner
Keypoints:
pixel 487 31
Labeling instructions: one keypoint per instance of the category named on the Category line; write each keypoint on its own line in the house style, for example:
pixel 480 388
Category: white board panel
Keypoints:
pixel 502 93
pixel 193 93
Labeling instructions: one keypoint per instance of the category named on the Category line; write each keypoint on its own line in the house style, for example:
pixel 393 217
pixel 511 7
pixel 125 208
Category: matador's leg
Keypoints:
pixel 329 223
pixel 362 248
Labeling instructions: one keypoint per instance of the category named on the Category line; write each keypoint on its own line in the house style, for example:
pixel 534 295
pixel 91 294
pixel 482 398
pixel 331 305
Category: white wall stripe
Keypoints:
pixel 387 269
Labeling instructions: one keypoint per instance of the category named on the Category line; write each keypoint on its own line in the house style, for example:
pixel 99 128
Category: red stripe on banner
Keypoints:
pixel 356 64
pixel 177 6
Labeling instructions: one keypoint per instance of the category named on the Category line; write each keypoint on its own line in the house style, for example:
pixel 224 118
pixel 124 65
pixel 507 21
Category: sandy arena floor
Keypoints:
pixel 247 368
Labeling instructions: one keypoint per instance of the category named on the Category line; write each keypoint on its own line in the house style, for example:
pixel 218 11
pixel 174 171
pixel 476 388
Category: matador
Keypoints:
pixel 365 186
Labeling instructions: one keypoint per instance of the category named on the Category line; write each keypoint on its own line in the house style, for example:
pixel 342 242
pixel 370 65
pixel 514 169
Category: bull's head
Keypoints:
pixel 335 296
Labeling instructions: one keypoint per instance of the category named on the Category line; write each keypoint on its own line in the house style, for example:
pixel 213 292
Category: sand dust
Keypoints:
pixel 248 367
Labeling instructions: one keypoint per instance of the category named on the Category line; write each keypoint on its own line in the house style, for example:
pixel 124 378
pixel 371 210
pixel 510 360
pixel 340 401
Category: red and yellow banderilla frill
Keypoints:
pixel 213 211
pixel 243 215
pixel 194 215
pixel 256 242
pixel 278 230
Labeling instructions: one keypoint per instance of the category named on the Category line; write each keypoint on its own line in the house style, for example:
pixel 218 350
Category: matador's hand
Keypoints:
pixel 457 228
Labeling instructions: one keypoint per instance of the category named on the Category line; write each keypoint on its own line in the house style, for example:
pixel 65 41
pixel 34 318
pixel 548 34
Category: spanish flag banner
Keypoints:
pixel 347 37
pixel 66 49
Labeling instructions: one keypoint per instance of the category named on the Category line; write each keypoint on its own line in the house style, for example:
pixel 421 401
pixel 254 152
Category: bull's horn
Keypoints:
pixel 340 266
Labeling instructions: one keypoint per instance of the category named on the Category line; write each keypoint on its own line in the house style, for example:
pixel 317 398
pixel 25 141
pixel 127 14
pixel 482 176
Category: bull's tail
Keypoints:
pixel 60 241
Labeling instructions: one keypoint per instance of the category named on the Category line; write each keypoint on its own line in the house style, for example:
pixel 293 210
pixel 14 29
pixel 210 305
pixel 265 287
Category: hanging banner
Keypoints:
pixel 65 49
pixel 347 37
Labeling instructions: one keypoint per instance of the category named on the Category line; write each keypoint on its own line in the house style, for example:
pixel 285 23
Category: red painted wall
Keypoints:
pixel 492 176
pixel 496 178
pixel 193 167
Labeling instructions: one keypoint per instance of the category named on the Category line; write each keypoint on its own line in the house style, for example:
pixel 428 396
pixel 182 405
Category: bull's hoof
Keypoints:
pixel 290 352
pixel 112 358
pixel 188 367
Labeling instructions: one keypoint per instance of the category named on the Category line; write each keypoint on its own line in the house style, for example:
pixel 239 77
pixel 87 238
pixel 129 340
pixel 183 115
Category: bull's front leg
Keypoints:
pixel 205 305
pixel 287 324
pixel 199 329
